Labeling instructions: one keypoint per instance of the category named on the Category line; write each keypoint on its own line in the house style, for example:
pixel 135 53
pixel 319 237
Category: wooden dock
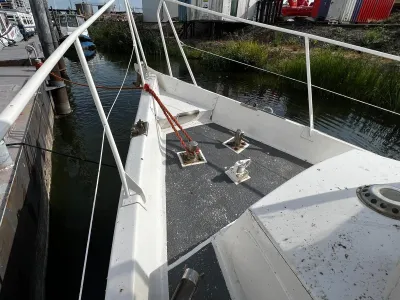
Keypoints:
pixel 25 184
pixel 17 55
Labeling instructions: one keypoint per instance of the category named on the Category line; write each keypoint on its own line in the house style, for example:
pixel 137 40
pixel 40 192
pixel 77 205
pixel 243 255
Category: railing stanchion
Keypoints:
pixel 102 115
pixel 163 38
pixel 130 21
pixel 137 35
pixel 308 66
pixel 179 43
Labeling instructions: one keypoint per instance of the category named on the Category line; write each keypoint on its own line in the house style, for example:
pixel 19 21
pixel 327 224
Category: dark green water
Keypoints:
pixel 79 134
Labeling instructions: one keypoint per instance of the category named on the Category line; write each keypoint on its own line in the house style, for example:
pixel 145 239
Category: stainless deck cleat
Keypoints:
pixel 237 143
pixel 238 173
pixel 193 155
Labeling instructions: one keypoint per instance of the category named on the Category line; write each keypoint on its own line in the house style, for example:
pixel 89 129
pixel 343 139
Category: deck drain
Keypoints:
pixel 383 199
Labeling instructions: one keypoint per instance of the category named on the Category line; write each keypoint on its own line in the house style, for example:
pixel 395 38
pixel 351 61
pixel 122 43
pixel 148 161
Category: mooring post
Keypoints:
pixel 61 62
pixel 59 93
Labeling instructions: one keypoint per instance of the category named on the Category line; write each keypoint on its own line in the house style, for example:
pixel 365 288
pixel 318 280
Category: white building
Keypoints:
pixel 21 5
pixel 150 11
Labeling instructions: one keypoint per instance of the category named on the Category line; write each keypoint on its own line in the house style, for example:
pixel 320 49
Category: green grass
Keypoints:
pixel 375 38
pixel 115 36
pixel 349 73
pixel 247 52
pixel 376 82
pixel 346 72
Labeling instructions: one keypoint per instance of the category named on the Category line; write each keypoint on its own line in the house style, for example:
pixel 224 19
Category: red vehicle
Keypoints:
pixel 297 8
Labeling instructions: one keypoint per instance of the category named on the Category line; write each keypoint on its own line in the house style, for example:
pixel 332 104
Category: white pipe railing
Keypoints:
pixel 179 44
pixel 129 12
pixel 309 86
pixel 307 37
pixel 10 114
pixel 162 38
pixel 289 31
pixel 103 117
pixel 131 20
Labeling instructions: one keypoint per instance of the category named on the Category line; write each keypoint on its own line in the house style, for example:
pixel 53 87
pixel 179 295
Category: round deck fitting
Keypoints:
pixel 383 199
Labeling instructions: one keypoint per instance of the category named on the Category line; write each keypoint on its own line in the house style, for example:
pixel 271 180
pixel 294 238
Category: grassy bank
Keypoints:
pixel 343 71
pixel 115 36
pixel 350 73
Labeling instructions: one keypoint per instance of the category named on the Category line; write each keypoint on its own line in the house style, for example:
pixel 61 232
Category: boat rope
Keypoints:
pixel 290 78
pixel 171 119
pixel 98 179
pixel 62 154
pixel 97 86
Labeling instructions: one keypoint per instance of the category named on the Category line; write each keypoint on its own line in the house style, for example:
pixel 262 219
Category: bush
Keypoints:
pixel 115 35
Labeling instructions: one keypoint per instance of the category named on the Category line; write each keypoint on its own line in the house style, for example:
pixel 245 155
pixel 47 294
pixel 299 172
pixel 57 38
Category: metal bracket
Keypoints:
pixel 306 134
pixel 52 88
pixel 139 128
pixel 249 106
pixel 189 113
pixel 54 85
pixel 133 186
pixel 5 158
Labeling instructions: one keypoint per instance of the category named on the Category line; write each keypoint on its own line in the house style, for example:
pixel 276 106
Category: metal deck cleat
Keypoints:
pixel 193 155
pixel 238 173
pixel 237 143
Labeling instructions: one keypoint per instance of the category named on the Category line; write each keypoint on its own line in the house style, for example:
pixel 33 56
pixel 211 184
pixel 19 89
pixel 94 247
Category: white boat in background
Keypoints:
pixel 69 23
pixel 221 200
pixel 9 33
pixel 14 16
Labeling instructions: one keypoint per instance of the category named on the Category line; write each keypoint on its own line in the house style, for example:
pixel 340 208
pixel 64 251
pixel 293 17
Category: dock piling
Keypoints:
pixel 44 29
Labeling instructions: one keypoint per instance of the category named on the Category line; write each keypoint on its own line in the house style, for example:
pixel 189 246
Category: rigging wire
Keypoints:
pixel 98 86
pixel 293 79
pixel 61 154
pixel 98 179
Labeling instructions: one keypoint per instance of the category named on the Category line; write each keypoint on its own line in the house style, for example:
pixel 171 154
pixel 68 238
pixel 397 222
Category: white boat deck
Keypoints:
pixel 307 238
pixel 185 112
pixel 338 247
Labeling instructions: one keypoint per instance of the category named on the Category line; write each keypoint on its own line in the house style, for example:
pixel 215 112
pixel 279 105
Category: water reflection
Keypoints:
pixel 73 182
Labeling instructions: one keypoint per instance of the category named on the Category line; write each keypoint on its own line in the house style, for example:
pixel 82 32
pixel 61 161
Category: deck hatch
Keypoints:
pixel 384 199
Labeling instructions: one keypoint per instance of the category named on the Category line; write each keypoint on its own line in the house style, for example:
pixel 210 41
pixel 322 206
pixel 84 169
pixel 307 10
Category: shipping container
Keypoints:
pixel 252 11
pixel 268 11
pixel 356 11
pixel 183 11
pixel 383 10
pixel 246 9
pixel 321 9
pixel 222 6
pixel 348 11
pixel 375 10
pixel 84 8
pixel 150 11
pixel 367 11
pixel 335 10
